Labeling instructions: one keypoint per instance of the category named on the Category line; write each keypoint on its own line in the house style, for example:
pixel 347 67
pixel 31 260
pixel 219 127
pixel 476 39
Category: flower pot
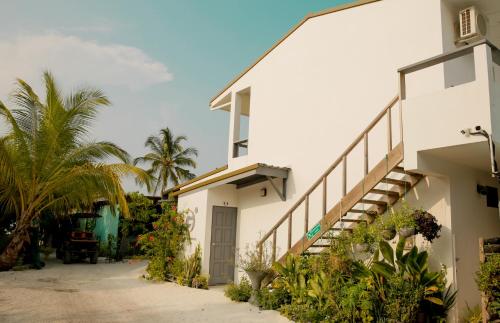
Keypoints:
pixel 256 278
pixel 361 247
pixel 370 217
pixel 406 232
pixel 388 234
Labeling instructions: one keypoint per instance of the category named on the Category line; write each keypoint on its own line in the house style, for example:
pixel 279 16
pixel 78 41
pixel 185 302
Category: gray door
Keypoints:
pixel 223 245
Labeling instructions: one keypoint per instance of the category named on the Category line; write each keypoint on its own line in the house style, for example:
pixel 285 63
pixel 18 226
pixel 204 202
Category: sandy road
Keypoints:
pixel 113 293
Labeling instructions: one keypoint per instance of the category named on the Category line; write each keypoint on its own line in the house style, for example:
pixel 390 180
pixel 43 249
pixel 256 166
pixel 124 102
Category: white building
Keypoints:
pixel 307 135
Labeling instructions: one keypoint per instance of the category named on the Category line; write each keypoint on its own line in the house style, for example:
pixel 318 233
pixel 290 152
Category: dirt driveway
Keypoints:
pixel 113 293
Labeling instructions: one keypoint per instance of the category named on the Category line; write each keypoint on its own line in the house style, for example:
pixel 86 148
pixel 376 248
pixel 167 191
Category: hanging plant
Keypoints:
pixel 363 236
pixel 404 221
pixel 426 225
pixel 386 228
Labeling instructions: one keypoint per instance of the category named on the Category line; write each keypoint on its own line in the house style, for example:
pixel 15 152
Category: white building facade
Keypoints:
pixel 295 110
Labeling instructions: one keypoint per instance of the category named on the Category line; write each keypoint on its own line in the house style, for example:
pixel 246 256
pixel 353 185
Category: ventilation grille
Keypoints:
pixel 466 22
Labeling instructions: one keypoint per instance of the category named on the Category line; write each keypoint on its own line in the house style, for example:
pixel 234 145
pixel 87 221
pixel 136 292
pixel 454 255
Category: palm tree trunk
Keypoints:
pixel 20 236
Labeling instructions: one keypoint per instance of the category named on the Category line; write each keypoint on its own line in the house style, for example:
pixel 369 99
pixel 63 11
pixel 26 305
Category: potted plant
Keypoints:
pixel 386 227
pixel 403 220
pixel 257 265
pixel 362 237
pixel 426 225
pixel 370 216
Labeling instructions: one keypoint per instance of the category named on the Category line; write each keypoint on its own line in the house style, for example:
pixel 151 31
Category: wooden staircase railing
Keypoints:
pixel 356 195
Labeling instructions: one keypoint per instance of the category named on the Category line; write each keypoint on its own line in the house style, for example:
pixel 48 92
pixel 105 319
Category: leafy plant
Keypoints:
pixel 293 276
pixel 402 218
pixel 273 299
pixel 200 282
pixel 426 224
pixel 256 259
pixel 364 234
pixel 488 281
pixel 165 243
pixel 239 293
pixel 408 273
pixel 192 268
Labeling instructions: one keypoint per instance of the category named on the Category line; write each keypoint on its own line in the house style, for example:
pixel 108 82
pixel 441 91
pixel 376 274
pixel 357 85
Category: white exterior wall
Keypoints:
pixel 314 93
pixel 195 204
pixel 200 205
pixel 453 199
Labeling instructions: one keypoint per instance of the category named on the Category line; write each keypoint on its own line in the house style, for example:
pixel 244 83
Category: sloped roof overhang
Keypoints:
pixel 243 177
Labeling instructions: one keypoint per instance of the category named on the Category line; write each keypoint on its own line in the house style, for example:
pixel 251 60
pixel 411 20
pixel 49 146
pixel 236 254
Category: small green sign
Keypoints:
pixel 313 231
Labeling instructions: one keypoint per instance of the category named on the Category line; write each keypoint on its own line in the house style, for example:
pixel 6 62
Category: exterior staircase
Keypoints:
pixel 381 186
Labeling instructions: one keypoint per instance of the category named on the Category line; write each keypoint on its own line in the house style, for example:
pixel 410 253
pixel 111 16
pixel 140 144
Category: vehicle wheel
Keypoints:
pixel 93 258
pixel 67 257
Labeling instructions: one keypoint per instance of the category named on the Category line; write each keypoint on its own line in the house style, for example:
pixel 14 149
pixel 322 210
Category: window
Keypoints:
pixel 241 123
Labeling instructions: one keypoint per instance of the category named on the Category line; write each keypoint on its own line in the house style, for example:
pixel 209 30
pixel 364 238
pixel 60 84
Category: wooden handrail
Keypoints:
pixel 323 178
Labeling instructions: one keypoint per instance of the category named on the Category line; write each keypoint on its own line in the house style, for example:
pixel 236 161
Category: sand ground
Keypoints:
pixel 113 292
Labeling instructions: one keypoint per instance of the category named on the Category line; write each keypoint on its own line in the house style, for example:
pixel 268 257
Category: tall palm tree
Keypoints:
pixel 47 162
pixel 169 160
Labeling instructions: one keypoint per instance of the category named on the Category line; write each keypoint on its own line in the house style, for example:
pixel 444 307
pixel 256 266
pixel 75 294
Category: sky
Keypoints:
pixel 159 62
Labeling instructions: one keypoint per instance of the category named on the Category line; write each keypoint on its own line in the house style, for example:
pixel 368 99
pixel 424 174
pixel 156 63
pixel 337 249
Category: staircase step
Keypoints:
pixel 363 211
pixel 401 170
pixel 339 229
pixel 398 169
pixel 398 182
pixel 385 192
pixel 352 220
pixel 376 202
pixel 321 246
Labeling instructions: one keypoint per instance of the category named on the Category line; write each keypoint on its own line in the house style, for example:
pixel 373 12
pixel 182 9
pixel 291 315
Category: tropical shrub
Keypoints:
pixel 191 268
pixel 165 243
pixel 409 285
pixel 426 224
pixel 334 287
pixel 488 281
pixel 273 298
pixel 239 293
pixel 143 212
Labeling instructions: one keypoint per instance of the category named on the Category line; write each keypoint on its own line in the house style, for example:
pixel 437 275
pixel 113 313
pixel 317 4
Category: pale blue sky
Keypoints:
pixel 159 61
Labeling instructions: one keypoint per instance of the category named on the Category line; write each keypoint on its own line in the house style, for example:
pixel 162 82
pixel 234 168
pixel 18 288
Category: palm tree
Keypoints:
pixel 47 162
pixel 168 159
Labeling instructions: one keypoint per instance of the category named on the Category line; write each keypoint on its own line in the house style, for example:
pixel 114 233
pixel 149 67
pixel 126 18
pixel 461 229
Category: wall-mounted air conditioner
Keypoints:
pixel 472 24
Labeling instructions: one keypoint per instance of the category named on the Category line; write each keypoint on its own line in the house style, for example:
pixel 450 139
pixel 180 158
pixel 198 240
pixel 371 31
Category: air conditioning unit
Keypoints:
pixel 472 24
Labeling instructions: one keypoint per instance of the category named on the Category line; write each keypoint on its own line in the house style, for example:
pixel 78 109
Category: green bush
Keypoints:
pixel 272 299
pixel 200 282
pixel 187 270
pixel 336 288
pixel 488 281
pixel 165 243
pixel 239 293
